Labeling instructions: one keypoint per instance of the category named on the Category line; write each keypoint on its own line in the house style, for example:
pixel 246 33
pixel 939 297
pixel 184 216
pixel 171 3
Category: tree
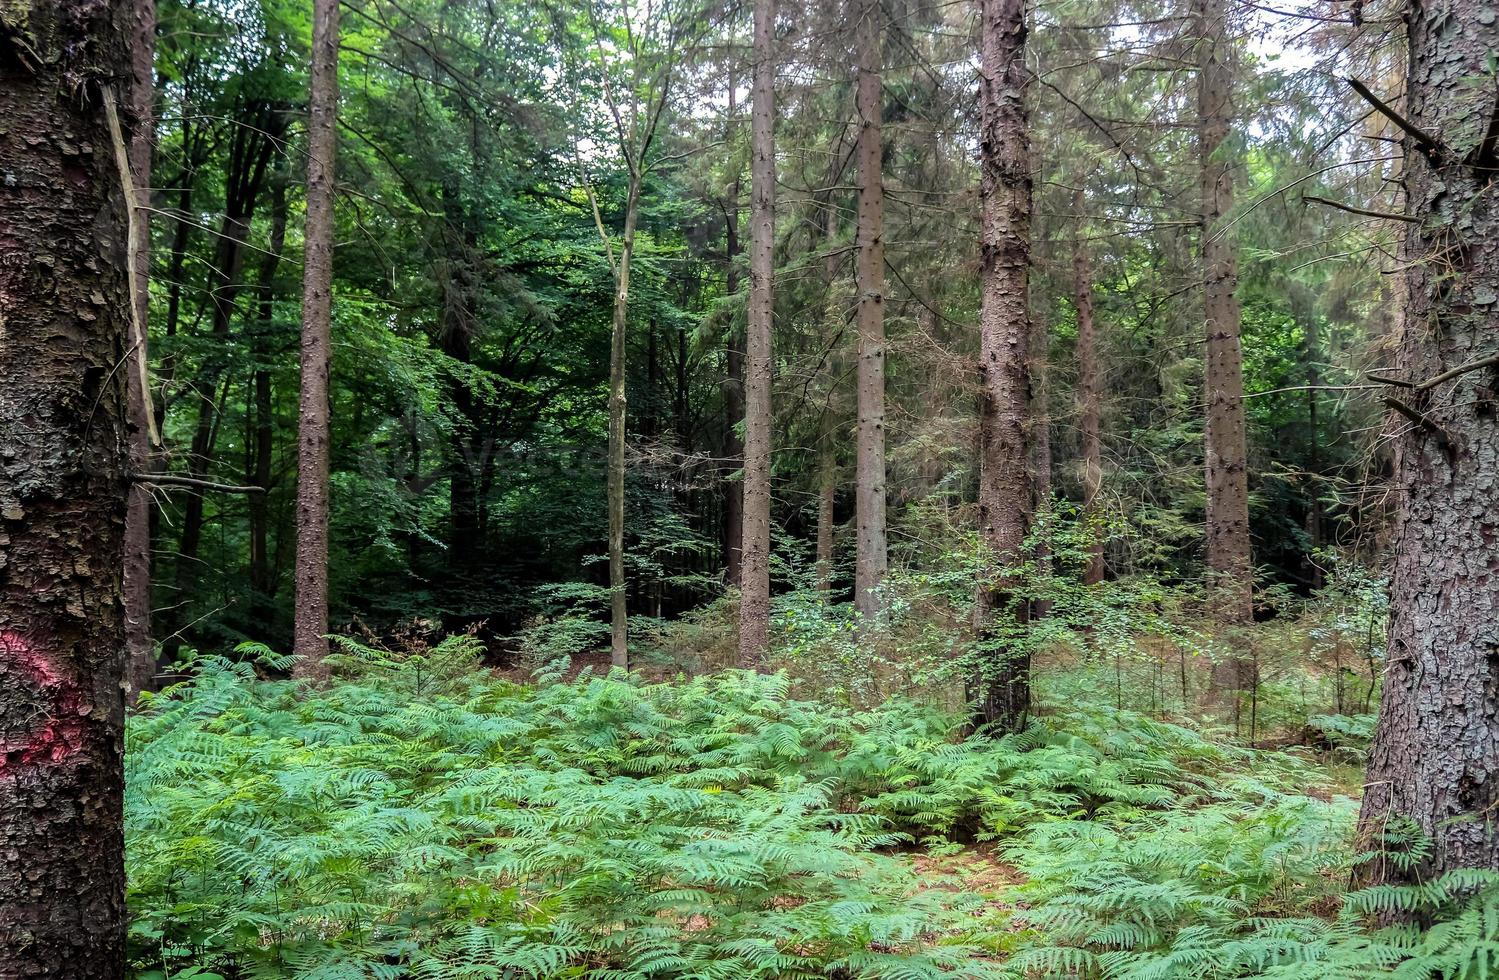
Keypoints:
pixel 1087 387
pixel 1002 684
pixel 871 552
pixel 140 648
pixel 754 604
pixel 310 641
pixel 64 463
pixel 650 62
pixel 1224 439
pixel 1433 762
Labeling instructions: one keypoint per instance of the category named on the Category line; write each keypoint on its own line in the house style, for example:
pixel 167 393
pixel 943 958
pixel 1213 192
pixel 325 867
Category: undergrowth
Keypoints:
pixel 422 819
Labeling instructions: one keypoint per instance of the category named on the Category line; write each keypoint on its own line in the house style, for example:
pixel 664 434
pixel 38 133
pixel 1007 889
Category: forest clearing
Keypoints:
pixel 666 489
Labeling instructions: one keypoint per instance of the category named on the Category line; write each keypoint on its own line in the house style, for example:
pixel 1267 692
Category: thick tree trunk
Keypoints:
pixel 619 617
pixel 871 558
pixel 140 650
pixel 1087 393
pixel 1001 687
pixel 310 622
pixel 65 309
pixel 1435 758
pixel 1228 554
pixel 754 604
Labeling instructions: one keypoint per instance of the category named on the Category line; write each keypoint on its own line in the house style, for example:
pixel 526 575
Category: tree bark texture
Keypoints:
pixel 871 552
pixel 1435 757
pixel 1227 472
pixel 754 603
pixel 139 647
pixel 310 622
pixel 1001 687
pixel 1086 353
pixel 65 315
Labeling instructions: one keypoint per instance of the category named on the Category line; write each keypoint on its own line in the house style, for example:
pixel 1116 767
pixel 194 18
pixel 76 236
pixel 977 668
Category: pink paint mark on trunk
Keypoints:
pixel 61 729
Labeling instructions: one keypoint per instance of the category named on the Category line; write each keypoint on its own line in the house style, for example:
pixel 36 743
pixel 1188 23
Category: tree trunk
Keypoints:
pixel 1228 554
pixel 262 582
pixel 140 650
pixel 754 604
pixel 733 393
pixel 1435 758
pixel 64 457
pixel 1087 394
pixel 1001 687
pixel 619 618
pixel 1040 438
pixel 310 623
pixel 871 559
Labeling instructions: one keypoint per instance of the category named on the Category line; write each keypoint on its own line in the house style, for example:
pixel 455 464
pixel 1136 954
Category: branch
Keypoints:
pixel 1482 362
pixel 1444 441
pixel 1313 199
pixel 1396 118
pixel 173 480
pixel 132 260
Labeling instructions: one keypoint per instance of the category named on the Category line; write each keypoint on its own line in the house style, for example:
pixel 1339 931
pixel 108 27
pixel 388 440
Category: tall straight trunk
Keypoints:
pixel 262 582
pixel 871 558
pixel 1228 555
pixel 1001 686
pixel 827 491
pixel 733 392
pixel 64 458
pixel 140 650
pixel 1088 411
pixel 251 148
pixel 310 623
pixel 1435 758
pixel 754 604
pixel 619 617
pixel 1040 439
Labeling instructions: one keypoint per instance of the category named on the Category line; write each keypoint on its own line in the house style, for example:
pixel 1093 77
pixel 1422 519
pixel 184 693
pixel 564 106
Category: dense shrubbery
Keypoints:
pixel 421 819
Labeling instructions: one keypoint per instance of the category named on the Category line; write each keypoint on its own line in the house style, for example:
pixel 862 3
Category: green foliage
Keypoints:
pixel 396 825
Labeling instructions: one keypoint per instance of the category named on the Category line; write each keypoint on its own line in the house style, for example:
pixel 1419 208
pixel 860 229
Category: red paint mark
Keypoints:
pixel 63 732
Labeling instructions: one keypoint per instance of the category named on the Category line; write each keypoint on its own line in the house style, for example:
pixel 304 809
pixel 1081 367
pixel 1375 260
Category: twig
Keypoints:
pixel 1313 199
pixel 1396 118
pixel 173 480
pixel 1482 362
pixel 1444 441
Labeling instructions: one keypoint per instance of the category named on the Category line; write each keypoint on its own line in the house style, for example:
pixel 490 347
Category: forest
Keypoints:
pixel 699 490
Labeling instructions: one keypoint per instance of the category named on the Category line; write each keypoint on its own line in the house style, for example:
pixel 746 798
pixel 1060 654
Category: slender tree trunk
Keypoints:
pixel 1087 393
pixel 1228 553
pixel 1435 758
pixel 64 419
pixel 754 604
pixel 1002 685
pixel 1314 454
pixel 1040 439
pixel 619 617
pixel 872 558
pixel 310 623
pixel 733 392
pixel 139 648
pixel 262 582
pixel 827 444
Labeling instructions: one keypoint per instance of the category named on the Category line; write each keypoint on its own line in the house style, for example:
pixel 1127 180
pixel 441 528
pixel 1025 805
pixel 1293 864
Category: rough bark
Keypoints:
pixel 140 650
pixel 754 603
pixel 1001 686
pixel 1227 472
pixel 871 555
pixel 64 339
pixel 619 617
pixel 1435 758
pixel 1086 353
pixel 310 622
